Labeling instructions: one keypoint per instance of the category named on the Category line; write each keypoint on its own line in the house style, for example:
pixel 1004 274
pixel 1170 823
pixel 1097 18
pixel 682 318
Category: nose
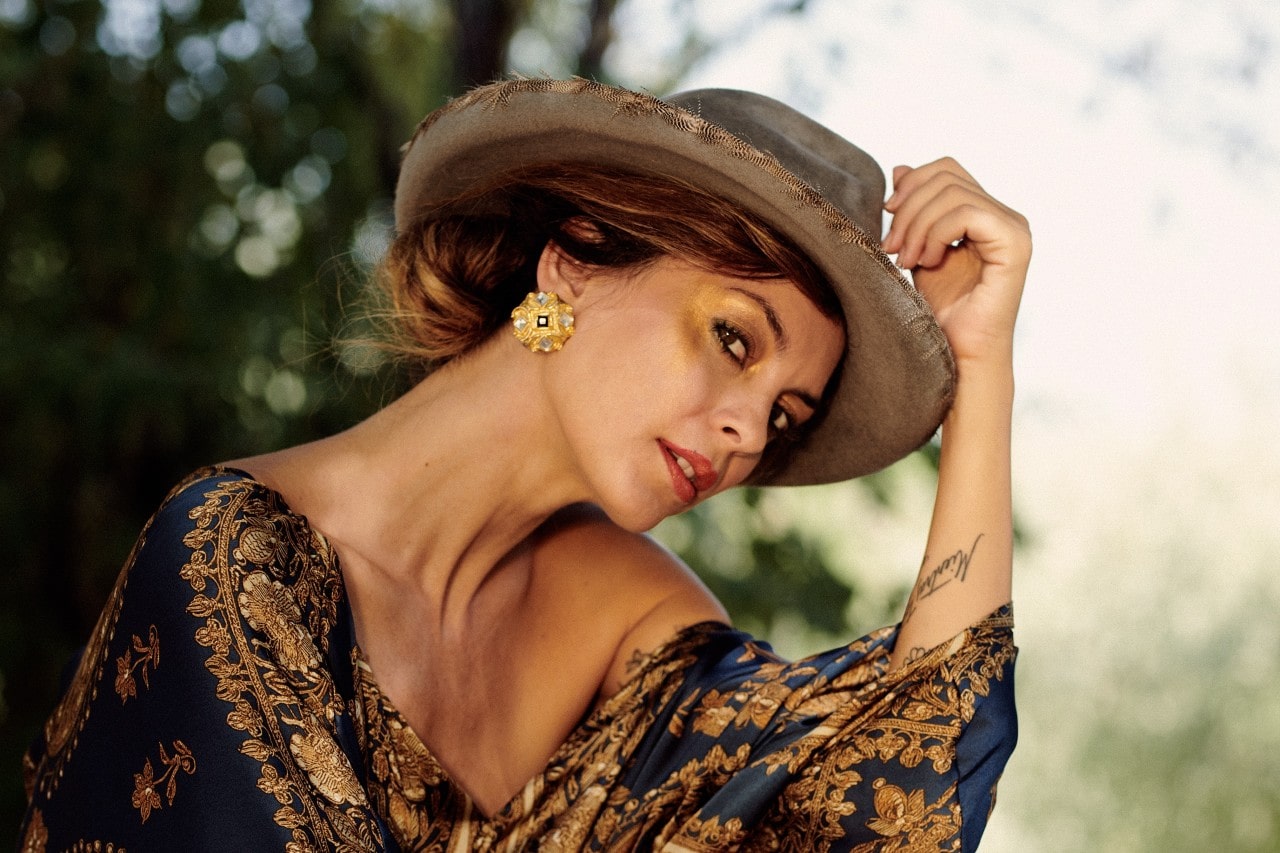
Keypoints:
pixel 744 422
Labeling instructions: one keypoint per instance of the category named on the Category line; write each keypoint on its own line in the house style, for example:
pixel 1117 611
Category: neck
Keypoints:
pixel 438 491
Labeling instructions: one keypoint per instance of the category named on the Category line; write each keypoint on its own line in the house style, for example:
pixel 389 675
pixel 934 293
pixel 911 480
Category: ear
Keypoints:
pixel 559 273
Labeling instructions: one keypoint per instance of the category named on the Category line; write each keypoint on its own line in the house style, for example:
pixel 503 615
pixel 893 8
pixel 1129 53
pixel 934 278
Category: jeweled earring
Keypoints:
pixel 542 322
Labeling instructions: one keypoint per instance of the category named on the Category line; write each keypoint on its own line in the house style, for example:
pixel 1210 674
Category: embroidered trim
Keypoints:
pixel 254 566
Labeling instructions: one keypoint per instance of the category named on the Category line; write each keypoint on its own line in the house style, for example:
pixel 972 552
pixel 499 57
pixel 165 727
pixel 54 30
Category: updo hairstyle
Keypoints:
pixel 452 279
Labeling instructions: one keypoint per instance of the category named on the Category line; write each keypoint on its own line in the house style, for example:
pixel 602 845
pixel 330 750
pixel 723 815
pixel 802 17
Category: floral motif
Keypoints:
pixel 898 811
pixel 146 795
pixel 149 658
pixel 407 784
pixel 261 542
pixel 274 784
pixel 196 570
pixel 327 767
pixel 272 609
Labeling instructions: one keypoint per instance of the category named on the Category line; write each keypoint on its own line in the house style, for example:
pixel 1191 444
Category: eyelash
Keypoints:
pixel 728 335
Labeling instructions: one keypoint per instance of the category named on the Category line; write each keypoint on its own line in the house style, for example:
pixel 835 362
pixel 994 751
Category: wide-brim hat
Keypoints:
pixel 816 188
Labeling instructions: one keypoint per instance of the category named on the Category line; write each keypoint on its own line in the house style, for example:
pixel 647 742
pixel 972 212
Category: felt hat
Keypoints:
pixel 816 188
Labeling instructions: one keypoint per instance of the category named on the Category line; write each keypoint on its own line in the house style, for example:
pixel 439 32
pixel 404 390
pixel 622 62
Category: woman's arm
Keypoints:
pixel 969 255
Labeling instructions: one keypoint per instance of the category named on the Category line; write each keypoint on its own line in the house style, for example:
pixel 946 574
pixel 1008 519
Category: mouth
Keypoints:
pixel 691 472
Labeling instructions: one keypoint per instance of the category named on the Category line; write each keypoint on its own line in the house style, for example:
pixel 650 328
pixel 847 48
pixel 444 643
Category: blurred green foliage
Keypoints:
pixel 190 194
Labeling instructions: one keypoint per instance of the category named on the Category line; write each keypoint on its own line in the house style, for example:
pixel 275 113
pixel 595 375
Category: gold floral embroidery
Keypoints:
pixel 149 658
pixel 272 609
pixel 326 766
pixel 261 543
pixel 272 783
pixel 267 592
pixel 407 785
pixel 709 836
pixel 145 784
pixel 898 811
pixel 914 826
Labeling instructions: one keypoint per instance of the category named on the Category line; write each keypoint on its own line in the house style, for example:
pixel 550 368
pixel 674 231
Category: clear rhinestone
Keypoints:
pixel 542 298
pixel 521 323
pixel 566 319
pixel 544 344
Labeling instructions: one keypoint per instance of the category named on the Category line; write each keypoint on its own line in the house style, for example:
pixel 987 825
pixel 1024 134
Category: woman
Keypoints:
pixel 442 629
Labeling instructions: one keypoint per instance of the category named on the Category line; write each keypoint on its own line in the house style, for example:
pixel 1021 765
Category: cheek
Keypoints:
pixel 658 360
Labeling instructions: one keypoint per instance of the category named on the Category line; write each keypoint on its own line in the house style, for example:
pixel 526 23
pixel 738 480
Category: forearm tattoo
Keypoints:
pixel 953 568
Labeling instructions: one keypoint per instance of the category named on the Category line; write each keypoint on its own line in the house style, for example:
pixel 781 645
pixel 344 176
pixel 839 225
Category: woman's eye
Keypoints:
pixel 779 420
pixel 732 341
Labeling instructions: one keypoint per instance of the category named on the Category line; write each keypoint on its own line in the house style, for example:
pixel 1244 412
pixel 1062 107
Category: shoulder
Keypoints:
pixel 638 593
pixel 207 502
pixel 191 514
pixel 220 525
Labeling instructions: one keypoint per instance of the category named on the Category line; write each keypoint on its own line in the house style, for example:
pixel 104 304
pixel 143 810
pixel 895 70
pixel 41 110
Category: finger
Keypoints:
pixel 948 231
pixel 917 191
pixel 914 222
pixel 907 179
pixel 992 234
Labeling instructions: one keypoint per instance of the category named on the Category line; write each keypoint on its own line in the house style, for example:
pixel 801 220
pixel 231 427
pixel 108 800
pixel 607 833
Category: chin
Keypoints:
pixel 633 513
pixel 634 522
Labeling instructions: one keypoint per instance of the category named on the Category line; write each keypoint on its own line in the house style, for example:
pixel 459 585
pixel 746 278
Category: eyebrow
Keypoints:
pixel 771 316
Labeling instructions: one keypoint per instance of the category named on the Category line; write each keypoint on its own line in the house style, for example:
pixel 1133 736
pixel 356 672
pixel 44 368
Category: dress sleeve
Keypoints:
pixel 909 759
pixel 206 710
pixel 830 753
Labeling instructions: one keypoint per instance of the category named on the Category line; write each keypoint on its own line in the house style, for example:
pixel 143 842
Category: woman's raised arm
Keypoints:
pixel 968 254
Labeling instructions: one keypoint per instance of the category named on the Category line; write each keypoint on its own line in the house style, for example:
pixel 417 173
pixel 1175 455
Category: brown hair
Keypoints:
pixel 452 279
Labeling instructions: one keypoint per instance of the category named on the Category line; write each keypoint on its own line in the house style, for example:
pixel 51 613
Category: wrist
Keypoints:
pixel 985 383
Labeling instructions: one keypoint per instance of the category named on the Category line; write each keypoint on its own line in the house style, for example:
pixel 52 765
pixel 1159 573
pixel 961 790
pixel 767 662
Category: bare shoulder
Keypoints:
pixel 640 594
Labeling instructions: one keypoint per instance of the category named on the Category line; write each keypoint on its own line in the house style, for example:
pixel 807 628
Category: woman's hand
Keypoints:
pixel 967 252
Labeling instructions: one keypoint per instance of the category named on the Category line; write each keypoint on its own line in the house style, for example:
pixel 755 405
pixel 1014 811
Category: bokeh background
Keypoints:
pixel 192 193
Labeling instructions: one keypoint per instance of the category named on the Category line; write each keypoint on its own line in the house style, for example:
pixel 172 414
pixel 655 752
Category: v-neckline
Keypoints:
pixel 591 721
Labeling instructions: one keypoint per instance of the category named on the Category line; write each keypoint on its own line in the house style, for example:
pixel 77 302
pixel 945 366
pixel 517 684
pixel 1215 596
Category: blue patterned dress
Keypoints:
pixel 222 704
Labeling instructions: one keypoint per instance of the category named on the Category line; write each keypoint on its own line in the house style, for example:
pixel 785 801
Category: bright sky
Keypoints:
pixel 1142 140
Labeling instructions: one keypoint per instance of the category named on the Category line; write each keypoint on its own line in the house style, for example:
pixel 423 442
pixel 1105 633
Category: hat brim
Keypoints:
pixel 898 377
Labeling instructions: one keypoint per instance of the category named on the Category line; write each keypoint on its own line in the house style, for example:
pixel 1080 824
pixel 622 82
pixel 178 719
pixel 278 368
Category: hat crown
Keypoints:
pixel 840 171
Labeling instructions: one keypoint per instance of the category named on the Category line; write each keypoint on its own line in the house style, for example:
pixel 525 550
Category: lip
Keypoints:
pixel 704 473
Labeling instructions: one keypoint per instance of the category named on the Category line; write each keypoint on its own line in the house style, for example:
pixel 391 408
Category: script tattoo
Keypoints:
pixel 953 568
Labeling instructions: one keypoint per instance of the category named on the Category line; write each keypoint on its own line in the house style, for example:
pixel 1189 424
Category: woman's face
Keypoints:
pixel 677 378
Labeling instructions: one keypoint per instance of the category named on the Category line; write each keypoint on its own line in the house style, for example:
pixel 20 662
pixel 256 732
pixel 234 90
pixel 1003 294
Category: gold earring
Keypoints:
pixel 542 322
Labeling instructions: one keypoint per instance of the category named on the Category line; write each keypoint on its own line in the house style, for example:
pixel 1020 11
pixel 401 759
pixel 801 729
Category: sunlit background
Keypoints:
pixel 1140 137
